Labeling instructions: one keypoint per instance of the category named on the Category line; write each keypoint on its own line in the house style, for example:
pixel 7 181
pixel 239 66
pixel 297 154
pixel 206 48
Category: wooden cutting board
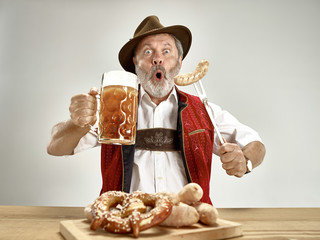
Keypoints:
pixel 80 230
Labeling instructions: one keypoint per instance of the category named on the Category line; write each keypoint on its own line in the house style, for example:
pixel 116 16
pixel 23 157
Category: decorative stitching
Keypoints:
pixel 197 131
pixel 158 139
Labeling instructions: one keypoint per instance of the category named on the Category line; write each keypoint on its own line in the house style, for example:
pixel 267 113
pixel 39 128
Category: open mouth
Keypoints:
pixel 158 75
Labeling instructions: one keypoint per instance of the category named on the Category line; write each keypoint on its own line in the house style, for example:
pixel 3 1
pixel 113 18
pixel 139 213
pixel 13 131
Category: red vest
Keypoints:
pixel 196 137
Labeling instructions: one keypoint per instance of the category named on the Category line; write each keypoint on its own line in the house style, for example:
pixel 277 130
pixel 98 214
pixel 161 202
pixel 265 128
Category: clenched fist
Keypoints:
pixel 83 108
pixel 233 159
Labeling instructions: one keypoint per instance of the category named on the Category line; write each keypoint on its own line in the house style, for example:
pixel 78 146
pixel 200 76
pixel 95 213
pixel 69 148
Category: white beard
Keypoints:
pixel 154 88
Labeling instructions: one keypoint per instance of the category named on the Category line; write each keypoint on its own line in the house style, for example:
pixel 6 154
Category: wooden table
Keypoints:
pixel 25 222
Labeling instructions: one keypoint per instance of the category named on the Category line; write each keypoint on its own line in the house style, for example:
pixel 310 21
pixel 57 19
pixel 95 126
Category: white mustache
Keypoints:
pixel 156 68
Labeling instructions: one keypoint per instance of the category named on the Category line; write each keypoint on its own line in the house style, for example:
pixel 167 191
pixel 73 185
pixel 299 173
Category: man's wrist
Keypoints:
pixel 248 166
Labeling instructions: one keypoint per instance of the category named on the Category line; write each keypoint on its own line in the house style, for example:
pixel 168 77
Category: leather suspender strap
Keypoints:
pixel 157 139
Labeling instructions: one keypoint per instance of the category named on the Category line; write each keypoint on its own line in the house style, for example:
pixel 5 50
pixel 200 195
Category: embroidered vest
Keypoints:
pixel 196 137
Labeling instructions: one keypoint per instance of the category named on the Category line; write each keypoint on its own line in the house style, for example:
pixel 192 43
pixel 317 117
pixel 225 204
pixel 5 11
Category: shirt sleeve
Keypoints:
pixel 88 141
pixel 231 129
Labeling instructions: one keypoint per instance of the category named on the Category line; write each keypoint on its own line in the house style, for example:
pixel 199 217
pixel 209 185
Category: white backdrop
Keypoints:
pixel 265 70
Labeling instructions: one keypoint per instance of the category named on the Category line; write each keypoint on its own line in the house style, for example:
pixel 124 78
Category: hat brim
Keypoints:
pixel 126 53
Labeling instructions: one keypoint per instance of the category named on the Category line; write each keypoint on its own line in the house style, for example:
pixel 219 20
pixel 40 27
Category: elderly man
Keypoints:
pixel 155 54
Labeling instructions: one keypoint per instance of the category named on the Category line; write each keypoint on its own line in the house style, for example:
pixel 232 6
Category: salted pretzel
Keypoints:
pixel 132 215
pixel 189 78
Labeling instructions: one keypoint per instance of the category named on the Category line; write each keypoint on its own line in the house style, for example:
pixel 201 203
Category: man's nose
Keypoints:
pixel 157 60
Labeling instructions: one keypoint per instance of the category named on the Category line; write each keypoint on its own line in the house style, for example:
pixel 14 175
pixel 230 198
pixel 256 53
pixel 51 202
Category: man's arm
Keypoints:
pixel 65 136
pixel 255 152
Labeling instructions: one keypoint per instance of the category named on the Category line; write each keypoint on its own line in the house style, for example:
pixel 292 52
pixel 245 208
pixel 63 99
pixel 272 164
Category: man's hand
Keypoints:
pixel 83 108
pixel 233 159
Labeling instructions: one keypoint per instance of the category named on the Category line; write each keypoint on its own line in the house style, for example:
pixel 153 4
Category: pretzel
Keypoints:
pixel 133 216
pixel 189 78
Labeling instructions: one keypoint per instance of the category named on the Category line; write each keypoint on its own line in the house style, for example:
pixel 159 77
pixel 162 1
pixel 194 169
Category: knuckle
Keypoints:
pixel 82 97
pixel 239 175
pixel 73 117
pixel 83 121
pixel 239 165
pixel 223 148
pixel 223 159
pixel 230 172
pixel 239 153
pixel 224 166
pixel 73 107
pixel 76 112
pixel 91 98
pixel 76 97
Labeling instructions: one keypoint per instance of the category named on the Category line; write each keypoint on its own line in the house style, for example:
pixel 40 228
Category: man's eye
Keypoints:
pixel 147 52
pixel 166 51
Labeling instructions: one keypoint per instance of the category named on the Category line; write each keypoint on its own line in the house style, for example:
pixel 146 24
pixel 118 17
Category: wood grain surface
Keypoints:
pixel 80 230
pixel 28 222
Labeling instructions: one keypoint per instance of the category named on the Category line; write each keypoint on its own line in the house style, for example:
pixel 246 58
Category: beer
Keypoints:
pixel 118 114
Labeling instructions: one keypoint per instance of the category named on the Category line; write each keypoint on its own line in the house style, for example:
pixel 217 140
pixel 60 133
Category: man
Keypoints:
pixel 155 54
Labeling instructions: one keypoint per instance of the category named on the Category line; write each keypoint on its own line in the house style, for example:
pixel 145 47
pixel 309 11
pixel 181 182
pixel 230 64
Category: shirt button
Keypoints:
pixel 160 178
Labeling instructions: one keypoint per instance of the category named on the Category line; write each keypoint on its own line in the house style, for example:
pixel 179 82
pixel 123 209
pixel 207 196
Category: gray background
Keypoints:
pixel 265 70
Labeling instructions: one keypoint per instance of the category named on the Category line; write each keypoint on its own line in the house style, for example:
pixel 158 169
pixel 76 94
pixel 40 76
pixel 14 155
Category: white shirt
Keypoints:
pixel 155 171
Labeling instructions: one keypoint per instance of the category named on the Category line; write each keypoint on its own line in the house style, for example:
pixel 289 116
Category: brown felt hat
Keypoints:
pixel 149 26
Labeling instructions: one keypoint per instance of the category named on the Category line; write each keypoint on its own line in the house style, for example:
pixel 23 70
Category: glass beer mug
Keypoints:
pixel 118 108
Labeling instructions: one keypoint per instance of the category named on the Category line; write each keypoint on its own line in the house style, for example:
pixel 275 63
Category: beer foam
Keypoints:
pixel 122 78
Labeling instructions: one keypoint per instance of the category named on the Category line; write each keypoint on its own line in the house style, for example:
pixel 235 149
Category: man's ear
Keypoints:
pixel 180 61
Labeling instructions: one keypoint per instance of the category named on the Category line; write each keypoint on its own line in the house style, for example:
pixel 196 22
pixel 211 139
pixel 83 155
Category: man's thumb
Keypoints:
pixel 224 141
pixel 93 91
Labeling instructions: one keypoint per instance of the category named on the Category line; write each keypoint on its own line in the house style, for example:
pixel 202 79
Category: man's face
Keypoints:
pixel 157 63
